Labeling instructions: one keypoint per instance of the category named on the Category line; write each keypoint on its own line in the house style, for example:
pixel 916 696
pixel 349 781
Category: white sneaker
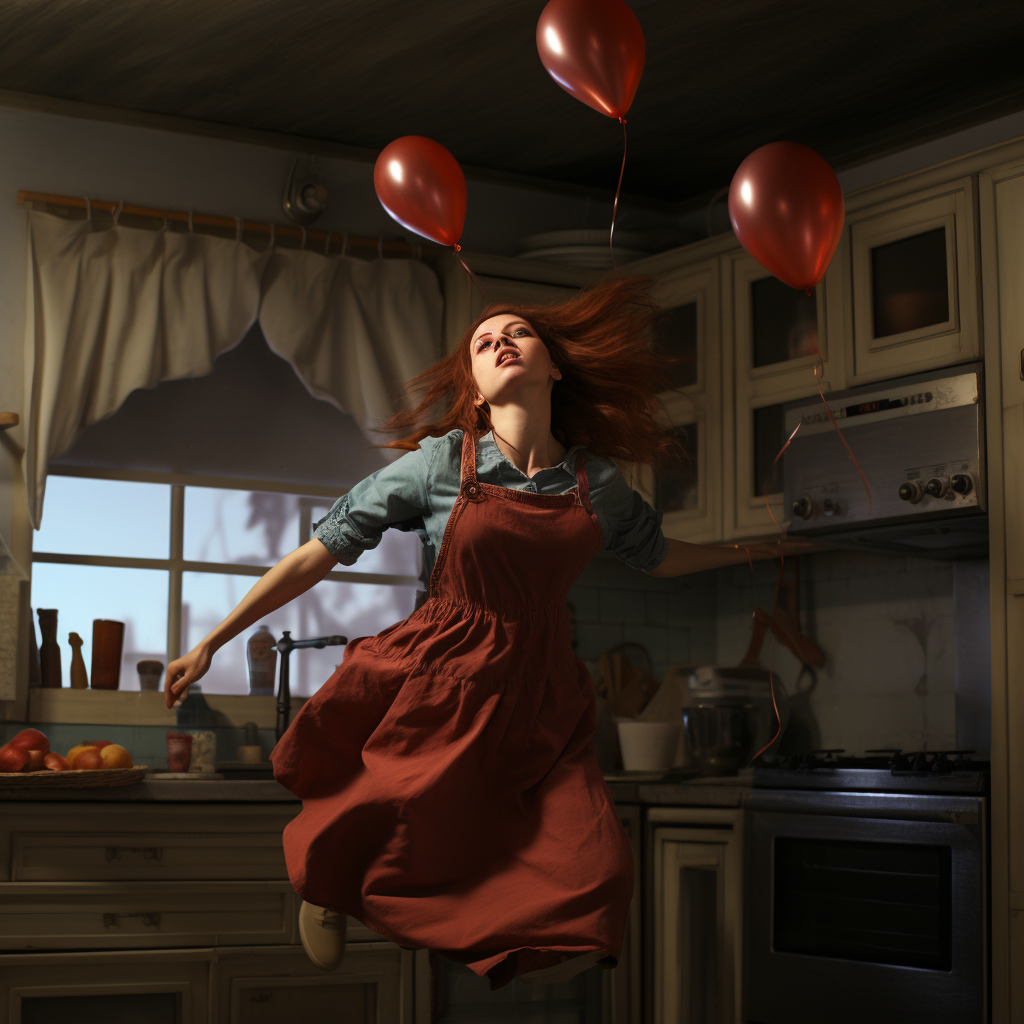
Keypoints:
pixel 323 935
pixel 570 966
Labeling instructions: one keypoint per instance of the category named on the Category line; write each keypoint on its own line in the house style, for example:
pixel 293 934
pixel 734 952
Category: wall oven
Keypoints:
pixel 866 891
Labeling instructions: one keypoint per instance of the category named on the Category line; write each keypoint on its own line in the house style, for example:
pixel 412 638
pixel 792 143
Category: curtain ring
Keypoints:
pixel 344 242
pixel 117 211
pixel 238 229
pixel 88 208
pixel 380 245
pixel 327 244
pixel 303 245
pixel 190 222
pixel 271 244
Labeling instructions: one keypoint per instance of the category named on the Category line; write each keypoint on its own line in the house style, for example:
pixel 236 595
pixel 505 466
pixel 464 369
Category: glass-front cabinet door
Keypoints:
pixel 914 283
pixel 773 335
pixel 688 331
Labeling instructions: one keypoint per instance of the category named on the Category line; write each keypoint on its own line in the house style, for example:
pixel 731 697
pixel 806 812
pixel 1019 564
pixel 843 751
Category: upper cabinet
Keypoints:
pixel 773 335
pixel 688 330
pixel 913 297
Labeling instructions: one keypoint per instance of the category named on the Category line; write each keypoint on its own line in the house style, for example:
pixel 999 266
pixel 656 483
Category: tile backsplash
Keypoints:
pixel 884 622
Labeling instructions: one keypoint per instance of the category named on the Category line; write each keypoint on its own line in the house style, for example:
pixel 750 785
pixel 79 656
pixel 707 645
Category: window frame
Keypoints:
pixel 116 707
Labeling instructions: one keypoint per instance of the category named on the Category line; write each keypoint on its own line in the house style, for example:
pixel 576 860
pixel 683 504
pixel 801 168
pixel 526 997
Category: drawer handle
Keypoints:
pixel 115 920
pixel 148 852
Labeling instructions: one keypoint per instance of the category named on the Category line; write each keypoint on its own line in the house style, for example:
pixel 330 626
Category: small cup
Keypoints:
pixel 179 752
pixel 149 674
pixel 107 643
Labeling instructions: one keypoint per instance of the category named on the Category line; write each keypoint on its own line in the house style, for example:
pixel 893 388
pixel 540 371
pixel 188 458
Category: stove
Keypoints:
pixel 886 770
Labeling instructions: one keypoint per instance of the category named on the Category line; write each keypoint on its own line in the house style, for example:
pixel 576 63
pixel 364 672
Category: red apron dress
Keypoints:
pixel 452 798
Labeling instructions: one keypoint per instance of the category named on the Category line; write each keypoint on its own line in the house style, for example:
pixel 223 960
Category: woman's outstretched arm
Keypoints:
pixel 684 558
pixel 293 575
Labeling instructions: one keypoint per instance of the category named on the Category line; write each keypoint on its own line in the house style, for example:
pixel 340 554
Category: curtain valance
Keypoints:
pixel 115 310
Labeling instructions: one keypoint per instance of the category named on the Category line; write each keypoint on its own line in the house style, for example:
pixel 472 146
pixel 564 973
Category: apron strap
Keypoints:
pixel 583 483
pixel 468 474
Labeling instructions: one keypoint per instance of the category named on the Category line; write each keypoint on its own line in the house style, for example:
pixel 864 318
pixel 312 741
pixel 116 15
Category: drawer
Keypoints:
pixel 159 856
pixel 105 915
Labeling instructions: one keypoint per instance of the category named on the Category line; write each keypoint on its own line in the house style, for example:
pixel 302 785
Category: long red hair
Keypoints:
pixel 606 400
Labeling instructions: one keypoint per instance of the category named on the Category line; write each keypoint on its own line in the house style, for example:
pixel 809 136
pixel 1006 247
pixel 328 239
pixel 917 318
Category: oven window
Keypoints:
pixel 884 903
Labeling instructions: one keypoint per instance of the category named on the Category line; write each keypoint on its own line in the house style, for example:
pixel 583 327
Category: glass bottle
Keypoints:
pixel 261 654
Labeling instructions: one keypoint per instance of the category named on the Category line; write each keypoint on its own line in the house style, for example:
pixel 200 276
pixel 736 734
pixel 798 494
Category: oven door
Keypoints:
pixel 871 911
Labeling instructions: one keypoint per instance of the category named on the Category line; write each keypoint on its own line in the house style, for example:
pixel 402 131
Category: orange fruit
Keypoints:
pixel 88 759
pixel 115 756
pixel 75 752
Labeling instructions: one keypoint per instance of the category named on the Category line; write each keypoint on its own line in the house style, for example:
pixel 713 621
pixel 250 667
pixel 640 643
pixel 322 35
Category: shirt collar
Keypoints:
pixel 568 461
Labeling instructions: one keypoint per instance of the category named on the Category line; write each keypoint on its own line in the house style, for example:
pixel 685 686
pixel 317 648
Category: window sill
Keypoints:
pixel 117 707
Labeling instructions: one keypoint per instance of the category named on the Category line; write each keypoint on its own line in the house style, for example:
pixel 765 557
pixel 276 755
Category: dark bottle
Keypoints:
pixel 49 650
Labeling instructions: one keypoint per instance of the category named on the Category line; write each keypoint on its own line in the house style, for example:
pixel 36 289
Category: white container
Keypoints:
pixel 648 746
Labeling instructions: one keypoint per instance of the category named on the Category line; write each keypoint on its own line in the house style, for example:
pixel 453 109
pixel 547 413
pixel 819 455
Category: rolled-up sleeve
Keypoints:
pixel 393 496
pixel 632 528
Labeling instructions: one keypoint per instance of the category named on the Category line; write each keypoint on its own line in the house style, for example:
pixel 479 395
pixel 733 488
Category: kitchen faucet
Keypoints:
pixel 284 697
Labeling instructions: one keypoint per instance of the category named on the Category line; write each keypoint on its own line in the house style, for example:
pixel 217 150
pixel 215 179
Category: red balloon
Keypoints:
pixel 422 186
pixel 787 209
pixel 594 49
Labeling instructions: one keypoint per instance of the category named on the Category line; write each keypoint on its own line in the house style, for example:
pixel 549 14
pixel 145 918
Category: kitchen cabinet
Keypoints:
pixel 274 984
pixel 689 331
pixel 166 987
pixel 770 331
pixel 913 300
pixel 693 908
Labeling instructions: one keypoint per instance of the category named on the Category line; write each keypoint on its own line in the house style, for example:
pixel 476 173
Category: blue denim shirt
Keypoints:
pixel 418 491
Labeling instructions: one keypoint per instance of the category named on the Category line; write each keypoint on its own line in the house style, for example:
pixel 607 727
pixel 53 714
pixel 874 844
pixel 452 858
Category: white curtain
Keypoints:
pixel 114 310
pixel 354 330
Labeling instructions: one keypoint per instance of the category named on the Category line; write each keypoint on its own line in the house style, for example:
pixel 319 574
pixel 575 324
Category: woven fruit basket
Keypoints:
pixel 73 779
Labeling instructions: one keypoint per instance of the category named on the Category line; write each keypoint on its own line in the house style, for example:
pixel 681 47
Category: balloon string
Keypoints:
pixel 778 717
pixel 615 204
pixel 456 249
pixel 776 459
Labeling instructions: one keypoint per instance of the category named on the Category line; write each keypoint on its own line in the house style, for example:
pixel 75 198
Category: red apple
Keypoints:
pixel 12 759
pixel 35 760
pixel 88 759
pixel 31 739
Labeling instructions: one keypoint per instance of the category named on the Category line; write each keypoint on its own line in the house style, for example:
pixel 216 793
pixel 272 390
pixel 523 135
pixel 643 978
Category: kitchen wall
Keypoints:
pixel 894 631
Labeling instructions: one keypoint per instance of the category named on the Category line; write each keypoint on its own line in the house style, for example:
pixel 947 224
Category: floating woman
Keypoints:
pixel 452 798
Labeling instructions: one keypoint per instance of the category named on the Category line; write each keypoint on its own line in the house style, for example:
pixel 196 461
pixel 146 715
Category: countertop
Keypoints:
pixel 625 788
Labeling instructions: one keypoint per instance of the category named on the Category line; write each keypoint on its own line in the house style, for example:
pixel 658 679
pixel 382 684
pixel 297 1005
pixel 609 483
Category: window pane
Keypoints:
pixel 785 321
pixel 675 489
pixel 81 593
pixel 909 283
pixel 349 609
pixel 675 335
pixel 261 527
pixel 769 437
pixel 82 516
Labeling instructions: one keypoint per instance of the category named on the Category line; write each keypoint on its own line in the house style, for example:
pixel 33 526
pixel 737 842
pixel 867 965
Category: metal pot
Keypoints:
pixel 721 736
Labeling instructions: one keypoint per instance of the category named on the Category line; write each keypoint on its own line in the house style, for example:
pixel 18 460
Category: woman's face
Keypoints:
pixel 508 357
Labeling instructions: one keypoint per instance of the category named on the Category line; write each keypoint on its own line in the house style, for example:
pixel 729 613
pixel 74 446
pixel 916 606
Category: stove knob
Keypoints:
pixel 912 491
pixel 961 483
pixel 831 507
pixel 803 507
pixel 936 487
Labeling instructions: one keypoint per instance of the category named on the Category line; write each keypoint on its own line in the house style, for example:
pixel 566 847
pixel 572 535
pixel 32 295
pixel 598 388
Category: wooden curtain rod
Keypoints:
pixel 312 234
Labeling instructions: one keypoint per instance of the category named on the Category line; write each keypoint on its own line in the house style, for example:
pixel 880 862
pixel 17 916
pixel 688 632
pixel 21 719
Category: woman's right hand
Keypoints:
pixel 184 671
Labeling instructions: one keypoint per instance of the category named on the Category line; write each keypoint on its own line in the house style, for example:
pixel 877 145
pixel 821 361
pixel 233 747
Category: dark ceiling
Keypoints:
pixel 852 79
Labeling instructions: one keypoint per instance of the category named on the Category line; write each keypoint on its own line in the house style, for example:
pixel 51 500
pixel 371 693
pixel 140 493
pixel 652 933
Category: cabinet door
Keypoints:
pixel 696 900
pixel 914 283
pixel 688 330
pixel 770 331
pixel 373 985
pixel 156 987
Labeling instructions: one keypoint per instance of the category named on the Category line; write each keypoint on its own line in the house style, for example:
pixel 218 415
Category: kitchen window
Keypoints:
pixel 171 555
